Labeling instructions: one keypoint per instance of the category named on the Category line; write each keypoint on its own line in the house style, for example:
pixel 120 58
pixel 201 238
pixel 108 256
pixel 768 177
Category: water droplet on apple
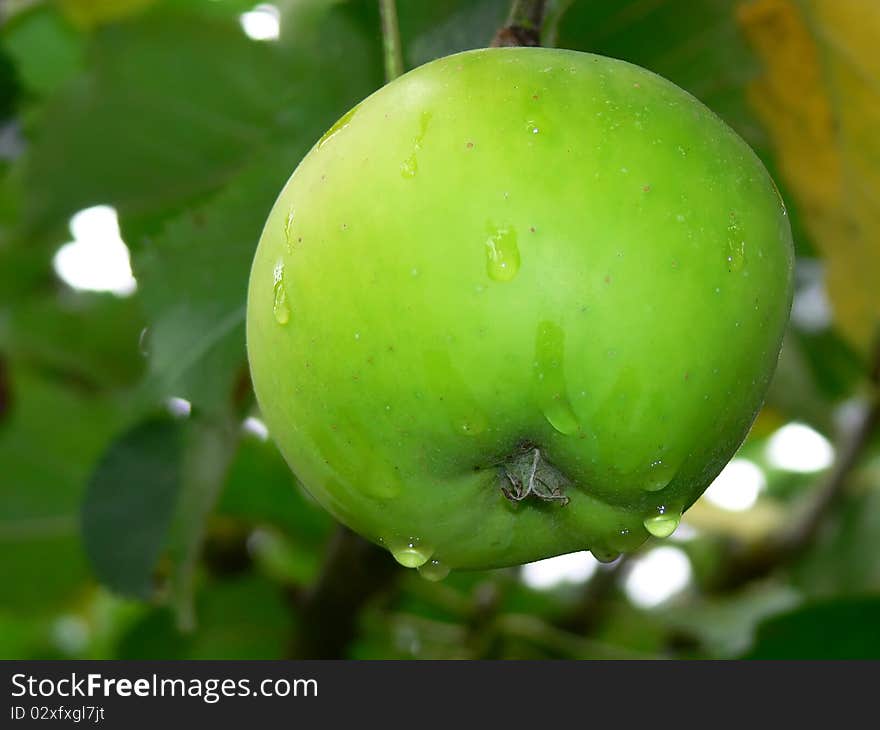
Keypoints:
pixel 736 247
pixel 410 166
pixel 502 254
pixel 663 523
pixel 736 255
pixel 434 570
pixel 288 229
pixel 605 556
pixel 658 476
pixel 410 553
pixel 472 426
pixel 549 378
pixel 341 124
pixel 280 305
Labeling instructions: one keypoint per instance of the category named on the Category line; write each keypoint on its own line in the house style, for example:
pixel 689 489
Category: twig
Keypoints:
pixel 391 40
pixel 354 572
pixel 523 26
pixel 763 559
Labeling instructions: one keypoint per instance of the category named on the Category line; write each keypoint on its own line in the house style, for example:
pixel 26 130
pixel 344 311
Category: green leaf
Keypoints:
pixel 260 488
pixel 725 627
pixel 841 629
pixel 129 505
pixel 150 131
pixel 49 441
pixel 46 49
pixel 145 129
pixel 846 556
pixel 210 446
pixel 57 331
pixel 193 280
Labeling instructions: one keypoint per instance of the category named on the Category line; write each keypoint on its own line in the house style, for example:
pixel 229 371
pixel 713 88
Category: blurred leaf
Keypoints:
pixel 129 505
pixel 49 441
pixel 432 30
pixel 846 556
pixel 819 97
pixel 260 488
pixel 146 129
pixel 794 390
pixel 56 331
pixel 280 557
pixel 193 280
pixel 725 626
pixel 22 636
pixel 844 629
pixel 836 368
pixel 240 619
pixel 9 90
pixel 193 275
pixel 45 48
pixel 210 446
pixel 150 131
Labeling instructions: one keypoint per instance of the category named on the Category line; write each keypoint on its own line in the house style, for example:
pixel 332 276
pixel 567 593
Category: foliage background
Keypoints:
pixel 127 531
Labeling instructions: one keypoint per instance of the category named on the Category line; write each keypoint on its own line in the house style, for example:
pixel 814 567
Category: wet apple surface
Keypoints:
pixel 518 302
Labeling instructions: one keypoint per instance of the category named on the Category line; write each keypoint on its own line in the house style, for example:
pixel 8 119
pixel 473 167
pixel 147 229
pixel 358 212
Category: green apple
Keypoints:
pixel 516 303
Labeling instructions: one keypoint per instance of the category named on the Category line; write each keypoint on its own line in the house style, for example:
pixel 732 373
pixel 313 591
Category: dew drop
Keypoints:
pixel 434 570
pixel 280 306
pixel 410 166
pixel 288 229
pixel 341 124
pixel 658 477
pixel 736 254
pixel 549 378
pixel 605 556
pixel 411 554
pixel 502 254
pixel 662 524
pixel 472 426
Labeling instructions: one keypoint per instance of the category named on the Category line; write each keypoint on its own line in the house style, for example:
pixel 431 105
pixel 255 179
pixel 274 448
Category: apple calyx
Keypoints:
pixel 527 473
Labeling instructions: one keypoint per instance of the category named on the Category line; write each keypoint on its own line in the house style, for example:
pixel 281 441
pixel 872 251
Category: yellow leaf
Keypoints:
pixel 819 98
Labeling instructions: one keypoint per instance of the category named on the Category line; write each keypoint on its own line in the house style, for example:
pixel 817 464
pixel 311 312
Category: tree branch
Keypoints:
pixel 523 27
pixel 354 572
pixel 589 610
pixel 761 560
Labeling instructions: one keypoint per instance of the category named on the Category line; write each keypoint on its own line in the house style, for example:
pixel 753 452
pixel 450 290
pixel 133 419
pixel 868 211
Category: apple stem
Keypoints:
pixel 523 26
pixel 392 47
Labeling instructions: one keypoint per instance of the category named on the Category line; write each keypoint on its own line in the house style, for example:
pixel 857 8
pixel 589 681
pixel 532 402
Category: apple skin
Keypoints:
pixel 514 249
